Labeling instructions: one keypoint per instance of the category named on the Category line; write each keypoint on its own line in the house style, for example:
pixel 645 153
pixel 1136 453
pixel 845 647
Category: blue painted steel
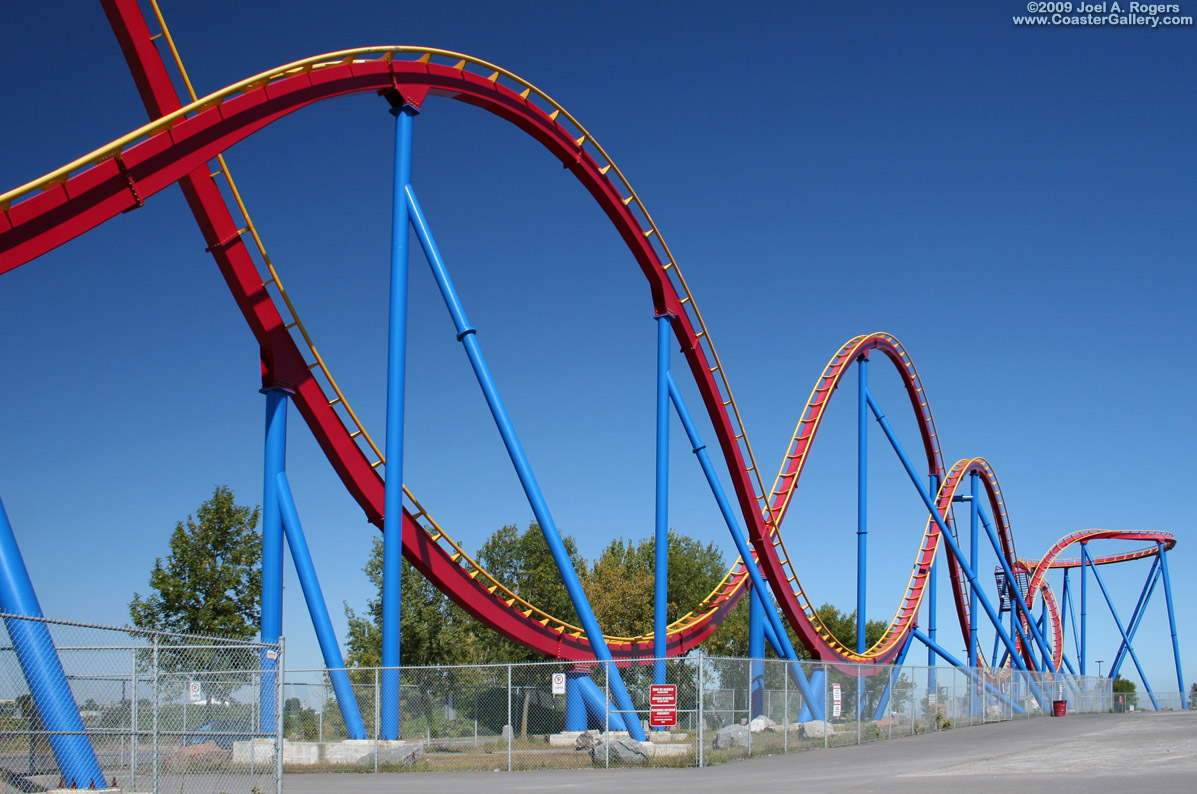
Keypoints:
pixel 334 663
pixel 1087 560
pixel 1070 612
pixel 733 527
pixel 952 660
pixel 601 711
pixel 392 540
pixel 1153 576
pixel 1019 599
pixel 575 703
pixel 1084 603
pixel 933 591
pixel 468 337
pixel 274 461
pixel 947 537
pixel 661 543
pixel 973 550
pixel 818 682
pixel 862 499
pixel 756 652
pixel 42 668
pixel 1180 681
pixel 900 660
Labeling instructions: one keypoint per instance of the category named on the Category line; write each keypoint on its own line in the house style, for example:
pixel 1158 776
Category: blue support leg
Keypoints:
pixel 334 663
pixel 969 672
pixel 661 543
pixel 756 653
pixel 392 539
pixel 733 527
pixel 862 499
pixel 1020 602
pixel 1180 681
pixel 1153 576
pixel 575 703
pixel 973 550
pixel 953 546
pixel 932 594
pixel 1084 605
pixel 47 682
pixel 274 462
pixel 467 335
pixel 893 672
pixel 1087 560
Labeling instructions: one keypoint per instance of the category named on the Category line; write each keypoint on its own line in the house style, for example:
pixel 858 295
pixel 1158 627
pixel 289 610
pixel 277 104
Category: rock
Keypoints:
pixel 731 736
pixel 395 754
pixel 195 757
pixel 761 724
pixel 816 729
pixel 586 741
pixel 621 749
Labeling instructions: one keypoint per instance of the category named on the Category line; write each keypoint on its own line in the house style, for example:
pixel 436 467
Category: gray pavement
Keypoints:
pixel 1090 753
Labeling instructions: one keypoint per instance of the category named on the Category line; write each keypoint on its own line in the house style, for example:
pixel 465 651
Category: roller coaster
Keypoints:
pixel 183 140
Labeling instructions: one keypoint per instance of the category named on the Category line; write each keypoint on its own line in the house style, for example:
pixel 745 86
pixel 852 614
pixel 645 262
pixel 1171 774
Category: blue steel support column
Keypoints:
pixel 973 551
pixel 467 335
pixel 1137 616
pixel 932 591
pixel 1087 560
pixel 1020 602
pixel 742 548
pixel 862 498
pixel 392 538
pixel 756 652
pixel 1180 681
pixel 952 660
pixel 1084 602
pixel 954 547
pixel 575 704
pixel 274 463
pixel 334 663
pixel 661 543
pixel 898 662
pixel 42 668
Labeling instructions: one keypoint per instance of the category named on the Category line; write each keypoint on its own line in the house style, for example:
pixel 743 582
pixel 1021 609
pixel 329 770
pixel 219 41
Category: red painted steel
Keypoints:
pixel 64 211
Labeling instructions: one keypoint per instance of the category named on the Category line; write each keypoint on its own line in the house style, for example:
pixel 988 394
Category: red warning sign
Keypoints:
pixel 662 705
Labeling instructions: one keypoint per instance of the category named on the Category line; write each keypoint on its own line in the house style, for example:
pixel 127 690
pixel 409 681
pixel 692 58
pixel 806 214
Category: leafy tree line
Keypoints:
pixel 211 582
pixel 619 585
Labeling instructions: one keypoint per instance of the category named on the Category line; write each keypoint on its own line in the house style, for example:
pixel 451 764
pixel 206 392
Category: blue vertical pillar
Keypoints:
pixel 973 550
pixel 274 463
pixel 661 547
pixel 932 594
pixel 1180 681
pixel 862 498
pixel 575 703
pixel 392 543
pixel 42 668
pixel 1084 601
pixel 756 653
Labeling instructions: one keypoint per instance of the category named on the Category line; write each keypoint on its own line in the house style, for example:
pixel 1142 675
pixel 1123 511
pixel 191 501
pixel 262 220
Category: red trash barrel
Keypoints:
pixel 1059 708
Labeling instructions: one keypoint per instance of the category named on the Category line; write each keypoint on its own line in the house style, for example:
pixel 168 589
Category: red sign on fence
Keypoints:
pixel 662 705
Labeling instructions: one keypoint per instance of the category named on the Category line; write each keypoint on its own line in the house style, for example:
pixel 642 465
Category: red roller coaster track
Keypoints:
pixel 178 146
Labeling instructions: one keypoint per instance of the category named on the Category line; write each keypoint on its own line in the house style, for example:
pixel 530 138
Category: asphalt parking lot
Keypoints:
pixel 1090 753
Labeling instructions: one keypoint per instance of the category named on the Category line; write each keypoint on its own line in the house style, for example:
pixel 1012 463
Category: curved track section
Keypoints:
pixel 177 147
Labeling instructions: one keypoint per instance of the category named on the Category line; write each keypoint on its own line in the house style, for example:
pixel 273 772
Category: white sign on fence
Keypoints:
pixel 558 683
pixel 195 692
pixel 836 700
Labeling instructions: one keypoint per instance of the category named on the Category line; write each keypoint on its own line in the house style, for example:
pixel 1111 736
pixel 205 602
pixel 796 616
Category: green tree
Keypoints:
pixel 1125 686
pixel 1193 696
pixel 211 582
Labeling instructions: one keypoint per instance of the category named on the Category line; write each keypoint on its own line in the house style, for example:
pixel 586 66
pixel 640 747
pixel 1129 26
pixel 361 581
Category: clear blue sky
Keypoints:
pixel 1015 205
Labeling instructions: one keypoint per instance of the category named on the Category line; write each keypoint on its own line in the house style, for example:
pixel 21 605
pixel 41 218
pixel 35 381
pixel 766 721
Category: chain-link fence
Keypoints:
pixel 93 706
pixel 565 715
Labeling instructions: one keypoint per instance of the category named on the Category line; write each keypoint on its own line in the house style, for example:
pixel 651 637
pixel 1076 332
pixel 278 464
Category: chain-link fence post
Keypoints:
pixel 701 718
pixel 607 714
pixel 748 704
pixel 826 721
pixel 278 717
pixel 510 727
pixel 785 708
pixel 377 717
pixel 133 722
pixel 154 714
